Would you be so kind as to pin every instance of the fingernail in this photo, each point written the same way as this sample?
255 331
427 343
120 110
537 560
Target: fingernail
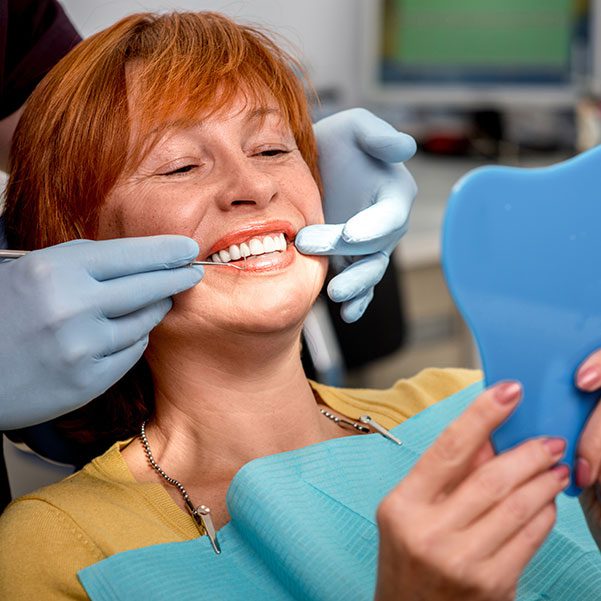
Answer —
583 473
507 392
562 472
555 446
589 378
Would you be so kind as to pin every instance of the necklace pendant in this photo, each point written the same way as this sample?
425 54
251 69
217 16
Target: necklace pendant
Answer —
202 516
366 419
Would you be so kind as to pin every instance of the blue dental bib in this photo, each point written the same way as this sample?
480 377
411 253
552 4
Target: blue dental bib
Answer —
521 251
303 529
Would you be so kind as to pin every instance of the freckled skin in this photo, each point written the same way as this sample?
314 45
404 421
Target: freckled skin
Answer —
208 180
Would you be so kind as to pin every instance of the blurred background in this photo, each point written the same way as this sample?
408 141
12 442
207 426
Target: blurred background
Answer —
476 82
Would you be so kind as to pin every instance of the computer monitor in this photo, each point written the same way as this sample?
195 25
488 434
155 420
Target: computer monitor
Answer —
481 53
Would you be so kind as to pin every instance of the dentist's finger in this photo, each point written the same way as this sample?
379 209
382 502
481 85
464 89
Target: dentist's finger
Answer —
358 278
387 215
127 294
328 239
108 259
380 140
113 367
319 239
123 332
353 310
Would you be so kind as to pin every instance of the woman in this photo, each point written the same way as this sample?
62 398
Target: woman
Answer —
137 115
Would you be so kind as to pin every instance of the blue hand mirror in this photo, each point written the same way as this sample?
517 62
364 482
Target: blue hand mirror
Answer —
520 254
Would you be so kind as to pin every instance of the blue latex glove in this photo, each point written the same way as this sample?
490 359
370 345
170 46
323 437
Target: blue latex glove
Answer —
75 318
367 198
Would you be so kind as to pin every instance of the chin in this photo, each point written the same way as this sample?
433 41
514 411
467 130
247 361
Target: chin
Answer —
253 305
279 305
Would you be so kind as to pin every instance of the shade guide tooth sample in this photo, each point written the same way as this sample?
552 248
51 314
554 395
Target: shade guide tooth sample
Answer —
522 261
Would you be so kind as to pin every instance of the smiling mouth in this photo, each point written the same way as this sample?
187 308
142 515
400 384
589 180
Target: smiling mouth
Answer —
275 242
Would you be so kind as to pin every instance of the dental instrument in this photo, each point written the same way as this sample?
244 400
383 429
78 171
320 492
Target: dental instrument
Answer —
16 254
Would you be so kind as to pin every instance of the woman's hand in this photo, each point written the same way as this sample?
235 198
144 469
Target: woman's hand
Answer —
464 523
588 463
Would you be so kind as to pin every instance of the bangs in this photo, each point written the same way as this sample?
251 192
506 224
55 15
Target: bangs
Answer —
188 66
108 101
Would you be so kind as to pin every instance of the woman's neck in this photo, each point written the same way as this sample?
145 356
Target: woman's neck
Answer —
218 409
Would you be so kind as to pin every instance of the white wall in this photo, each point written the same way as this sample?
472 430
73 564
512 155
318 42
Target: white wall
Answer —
325 31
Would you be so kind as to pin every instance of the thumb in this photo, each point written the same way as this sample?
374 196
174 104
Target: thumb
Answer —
380 140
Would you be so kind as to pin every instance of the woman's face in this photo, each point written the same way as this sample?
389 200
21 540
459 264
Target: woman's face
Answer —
230 181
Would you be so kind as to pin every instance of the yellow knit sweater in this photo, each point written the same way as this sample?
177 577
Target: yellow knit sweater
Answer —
47 536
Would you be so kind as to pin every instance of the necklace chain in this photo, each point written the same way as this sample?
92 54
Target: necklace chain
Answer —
180 487
202 514
159 470
345 422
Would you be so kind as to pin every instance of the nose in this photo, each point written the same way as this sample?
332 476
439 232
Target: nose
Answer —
246 182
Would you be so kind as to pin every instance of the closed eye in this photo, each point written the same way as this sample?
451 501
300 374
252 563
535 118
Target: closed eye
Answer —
183 169
272 152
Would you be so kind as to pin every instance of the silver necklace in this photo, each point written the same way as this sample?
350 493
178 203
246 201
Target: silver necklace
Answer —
363 426
202 514
345 423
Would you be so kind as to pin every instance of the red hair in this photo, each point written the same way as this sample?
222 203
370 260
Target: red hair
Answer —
75 140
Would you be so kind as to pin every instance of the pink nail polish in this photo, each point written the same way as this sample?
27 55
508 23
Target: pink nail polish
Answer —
555 446
583 473
507 392
562 472
589 378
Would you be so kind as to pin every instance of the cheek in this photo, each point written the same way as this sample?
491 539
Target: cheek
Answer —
304 195
130 213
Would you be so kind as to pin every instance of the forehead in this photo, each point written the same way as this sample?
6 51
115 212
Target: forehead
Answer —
152 112
151 115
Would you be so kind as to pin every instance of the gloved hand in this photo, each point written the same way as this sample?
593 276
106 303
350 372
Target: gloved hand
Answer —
74 318
367 198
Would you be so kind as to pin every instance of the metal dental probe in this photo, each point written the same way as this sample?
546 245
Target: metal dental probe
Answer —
16 254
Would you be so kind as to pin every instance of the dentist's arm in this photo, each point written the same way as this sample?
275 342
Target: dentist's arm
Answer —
75 318
368 194
7 129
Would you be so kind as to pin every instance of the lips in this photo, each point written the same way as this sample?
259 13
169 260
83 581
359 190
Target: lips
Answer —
249 232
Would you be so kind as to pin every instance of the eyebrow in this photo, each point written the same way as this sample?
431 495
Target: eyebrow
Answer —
261 112
257 114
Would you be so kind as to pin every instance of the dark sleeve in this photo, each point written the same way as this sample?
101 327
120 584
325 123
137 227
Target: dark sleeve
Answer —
4 488
34 36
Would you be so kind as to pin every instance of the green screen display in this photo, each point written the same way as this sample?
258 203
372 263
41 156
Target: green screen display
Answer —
480 33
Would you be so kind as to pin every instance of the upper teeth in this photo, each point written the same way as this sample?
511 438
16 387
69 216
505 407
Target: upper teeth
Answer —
254 246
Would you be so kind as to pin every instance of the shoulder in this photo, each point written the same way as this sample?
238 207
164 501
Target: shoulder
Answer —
43 549
436 383
405 398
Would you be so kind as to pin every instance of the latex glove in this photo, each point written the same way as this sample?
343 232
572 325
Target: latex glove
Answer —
75 318
368 194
